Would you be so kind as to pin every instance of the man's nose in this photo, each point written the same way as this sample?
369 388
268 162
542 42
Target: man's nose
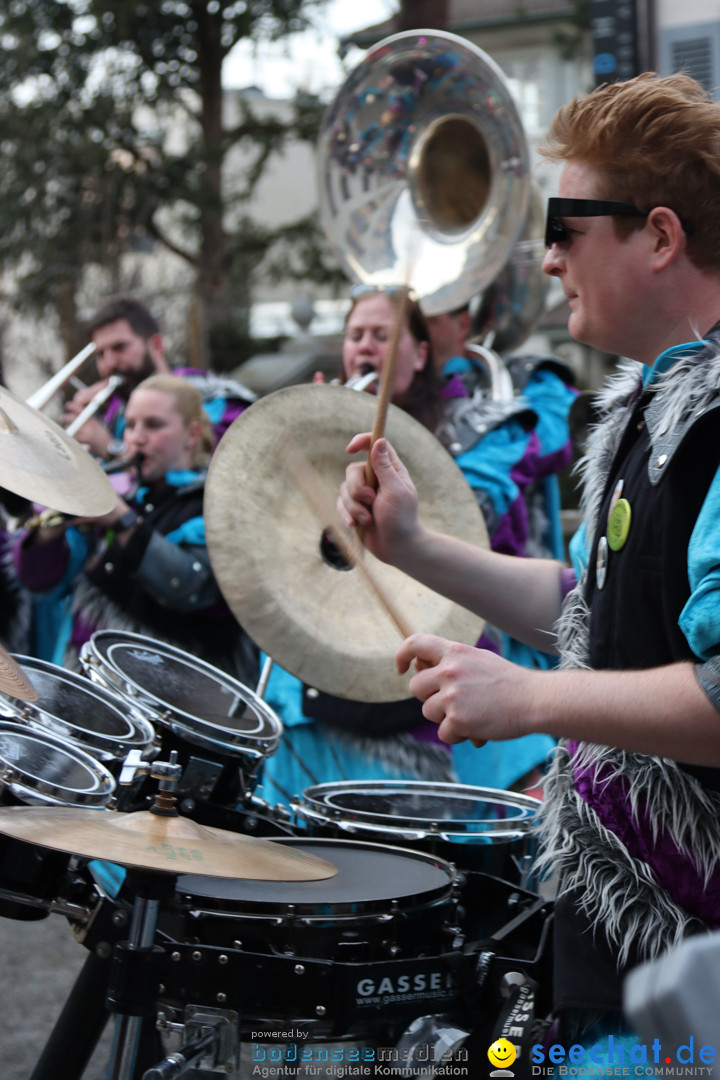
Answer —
552 261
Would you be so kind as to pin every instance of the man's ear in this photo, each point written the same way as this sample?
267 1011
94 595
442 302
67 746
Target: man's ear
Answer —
156 348
667 235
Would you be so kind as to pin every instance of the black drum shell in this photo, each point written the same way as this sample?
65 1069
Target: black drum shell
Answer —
193 706
384 903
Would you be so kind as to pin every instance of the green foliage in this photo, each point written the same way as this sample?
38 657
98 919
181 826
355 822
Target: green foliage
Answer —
113 134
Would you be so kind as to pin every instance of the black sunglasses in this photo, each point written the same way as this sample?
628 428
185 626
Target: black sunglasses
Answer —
555 230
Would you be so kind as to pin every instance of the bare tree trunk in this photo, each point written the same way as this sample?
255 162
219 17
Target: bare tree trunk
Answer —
416 14
211 288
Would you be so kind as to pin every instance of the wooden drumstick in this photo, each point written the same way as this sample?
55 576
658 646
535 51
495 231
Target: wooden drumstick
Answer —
387 378
320 500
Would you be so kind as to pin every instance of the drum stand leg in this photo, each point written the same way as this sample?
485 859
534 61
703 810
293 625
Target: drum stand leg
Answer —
78 1029
132 1003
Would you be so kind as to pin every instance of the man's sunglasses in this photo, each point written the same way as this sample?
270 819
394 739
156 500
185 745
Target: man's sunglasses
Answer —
557 233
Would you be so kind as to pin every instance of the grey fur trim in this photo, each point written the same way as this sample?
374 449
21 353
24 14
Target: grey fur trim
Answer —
620 895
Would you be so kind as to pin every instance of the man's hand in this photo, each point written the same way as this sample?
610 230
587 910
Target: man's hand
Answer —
387 516
471 693
93 434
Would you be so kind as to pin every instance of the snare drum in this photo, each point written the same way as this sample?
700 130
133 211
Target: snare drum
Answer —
36 768
77 711
476 828
221 730
278 949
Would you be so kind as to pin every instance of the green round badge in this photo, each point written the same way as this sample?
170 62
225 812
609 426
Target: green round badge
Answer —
619 524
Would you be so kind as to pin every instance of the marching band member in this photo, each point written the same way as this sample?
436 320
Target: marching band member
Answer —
144 567
631 803
329 738
128 342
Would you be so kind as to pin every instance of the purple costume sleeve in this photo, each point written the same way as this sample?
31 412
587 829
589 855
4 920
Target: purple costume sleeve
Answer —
41 566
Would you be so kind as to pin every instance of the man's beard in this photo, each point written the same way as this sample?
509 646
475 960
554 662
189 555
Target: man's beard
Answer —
132 379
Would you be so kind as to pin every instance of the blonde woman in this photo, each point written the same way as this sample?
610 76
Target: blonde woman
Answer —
144 567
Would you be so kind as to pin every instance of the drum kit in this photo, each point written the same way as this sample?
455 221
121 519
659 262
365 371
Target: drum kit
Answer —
231 926
346 915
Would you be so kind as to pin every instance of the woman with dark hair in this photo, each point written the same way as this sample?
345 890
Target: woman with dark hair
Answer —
328 738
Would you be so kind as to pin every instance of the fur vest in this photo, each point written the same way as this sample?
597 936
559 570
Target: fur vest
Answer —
621 893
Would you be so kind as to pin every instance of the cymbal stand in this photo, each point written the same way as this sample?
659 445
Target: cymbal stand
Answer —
132 991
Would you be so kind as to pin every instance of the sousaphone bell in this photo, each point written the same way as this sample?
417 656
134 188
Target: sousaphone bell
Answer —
423 169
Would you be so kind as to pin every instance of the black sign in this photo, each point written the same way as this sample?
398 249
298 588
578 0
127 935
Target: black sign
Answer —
613 24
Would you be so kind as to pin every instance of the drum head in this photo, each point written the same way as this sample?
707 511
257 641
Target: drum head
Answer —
193 698
71 706
37 767
415 809
370 878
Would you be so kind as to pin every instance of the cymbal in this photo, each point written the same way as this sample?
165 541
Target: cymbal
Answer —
44 465
323 624
147 841
13 679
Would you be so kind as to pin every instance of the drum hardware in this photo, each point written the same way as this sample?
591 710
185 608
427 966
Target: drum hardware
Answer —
286 594
207 1039
81 713
221 729
43 464
152 848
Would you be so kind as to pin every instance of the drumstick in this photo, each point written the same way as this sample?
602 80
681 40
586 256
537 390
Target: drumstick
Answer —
321 502
387 377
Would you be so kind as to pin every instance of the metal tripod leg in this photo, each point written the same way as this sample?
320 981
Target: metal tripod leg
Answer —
79 1026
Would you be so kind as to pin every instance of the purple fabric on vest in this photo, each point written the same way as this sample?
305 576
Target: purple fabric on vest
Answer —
675 871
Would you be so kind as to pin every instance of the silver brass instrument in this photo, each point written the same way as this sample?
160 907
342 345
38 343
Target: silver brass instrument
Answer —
46 393
66 374
98 399
423 176
513 303
423 169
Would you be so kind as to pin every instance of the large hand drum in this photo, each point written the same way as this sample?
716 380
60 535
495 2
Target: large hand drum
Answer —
319 621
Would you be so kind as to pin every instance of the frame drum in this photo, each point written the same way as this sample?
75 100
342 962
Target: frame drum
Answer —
219 728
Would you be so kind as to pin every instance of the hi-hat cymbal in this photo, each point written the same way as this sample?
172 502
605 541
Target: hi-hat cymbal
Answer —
173 845
13 679
323 624
44 465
